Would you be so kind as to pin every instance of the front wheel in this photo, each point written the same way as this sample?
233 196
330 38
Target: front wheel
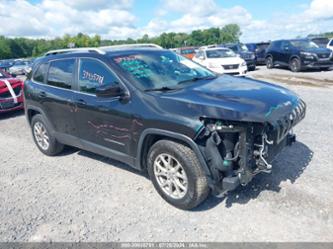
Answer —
295 65
177 174
269 62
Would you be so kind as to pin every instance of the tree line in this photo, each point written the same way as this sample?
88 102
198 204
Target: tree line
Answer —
25 47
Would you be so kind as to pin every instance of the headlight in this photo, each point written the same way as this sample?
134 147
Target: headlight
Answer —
253 56
243 64
308 55
213 65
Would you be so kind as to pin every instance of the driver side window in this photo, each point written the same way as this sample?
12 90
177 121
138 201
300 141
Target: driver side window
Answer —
93 74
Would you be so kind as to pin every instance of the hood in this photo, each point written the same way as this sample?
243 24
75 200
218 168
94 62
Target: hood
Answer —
318 50
226 60
233 98
247 55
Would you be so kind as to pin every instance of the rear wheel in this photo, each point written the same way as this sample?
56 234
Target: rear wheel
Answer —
177 174
44 140
269 62
295 65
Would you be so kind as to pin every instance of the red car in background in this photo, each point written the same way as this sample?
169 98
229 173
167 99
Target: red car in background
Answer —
11 93
187 52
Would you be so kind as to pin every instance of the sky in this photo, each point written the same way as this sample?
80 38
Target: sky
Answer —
259 20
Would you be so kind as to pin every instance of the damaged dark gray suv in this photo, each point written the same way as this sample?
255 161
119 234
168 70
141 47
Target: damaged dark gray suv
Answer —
194 132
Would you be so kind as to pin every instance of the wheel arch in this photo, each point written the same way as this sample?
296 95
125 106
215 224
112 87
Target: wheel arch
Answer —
152 135
31 111
267 56
295 57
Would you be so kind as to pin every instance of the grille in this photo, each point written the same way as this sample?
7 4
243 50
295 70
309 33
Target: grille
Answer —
286 123
17 91
323 56
234 66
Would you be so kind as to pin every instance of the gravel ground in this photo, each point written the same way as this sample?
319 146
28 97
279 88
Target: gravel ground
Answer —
79 196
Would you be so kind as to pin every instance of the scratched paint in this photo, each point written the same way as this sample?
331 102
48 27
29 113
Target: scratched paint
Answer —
105 130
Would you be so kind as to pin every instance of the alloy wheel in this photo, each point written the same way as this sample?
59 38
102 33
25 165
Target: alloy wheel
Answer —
170 176
41 136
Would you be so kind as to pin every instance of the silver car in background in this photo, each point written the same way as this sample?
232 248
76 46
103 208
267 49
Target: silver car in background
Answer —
20 67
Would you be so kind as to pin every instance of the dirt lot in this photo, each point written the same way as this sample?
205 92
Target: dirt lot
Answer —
79 196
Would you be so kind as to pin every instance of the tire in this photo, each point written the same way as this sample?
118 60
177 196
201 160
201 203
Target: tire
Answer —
196 185
252 68
54 147
295 65
269 62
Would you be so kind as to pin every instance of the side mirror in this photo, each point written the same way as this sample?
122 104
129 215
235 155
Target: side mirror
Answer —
109 91
14 75
286 48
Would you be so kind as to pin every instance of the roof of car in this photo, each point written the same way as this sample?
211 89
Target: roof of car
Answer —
212 47
298 39
88 52
102 50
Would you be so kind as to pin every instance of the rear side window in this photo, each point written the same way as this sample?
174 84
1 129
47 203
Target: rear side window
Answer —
275 45
39 75
61 73
92 74
331 43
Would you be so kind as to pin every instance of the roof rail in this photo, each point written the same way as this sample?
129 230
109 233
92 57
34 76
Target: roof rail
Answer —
209 46
68 50
134 45
100 50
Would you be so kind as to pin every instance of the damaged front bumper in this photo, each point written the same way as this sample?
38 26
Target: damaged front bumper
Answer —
237 151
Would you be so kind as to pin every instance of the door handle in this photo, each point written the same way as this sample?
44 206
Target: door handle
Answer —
81 102
42 94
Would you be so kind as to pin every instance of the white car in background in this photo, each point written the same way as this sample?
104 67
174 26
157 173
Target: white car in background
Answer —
221 60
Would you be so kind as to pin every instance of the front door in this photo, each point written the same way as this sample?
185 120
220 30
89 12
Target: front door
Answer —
101 121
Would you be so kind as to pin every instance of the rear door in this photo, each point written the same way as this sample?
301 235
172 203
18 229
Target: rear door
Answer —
274 50
56 96
285 51
102 121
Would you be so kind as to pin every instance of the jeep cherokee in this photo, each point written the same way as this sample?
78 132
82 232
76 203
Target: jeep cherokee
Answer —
194 132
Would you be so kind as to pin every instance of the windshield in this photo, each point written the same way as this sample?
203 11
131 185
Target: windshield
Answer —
187 51
321 42
244 47
220 53
159 69
303 44
20 63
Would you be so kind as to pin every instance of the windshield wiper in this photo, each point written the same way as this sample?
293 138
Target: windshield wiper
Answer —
196 79
160 89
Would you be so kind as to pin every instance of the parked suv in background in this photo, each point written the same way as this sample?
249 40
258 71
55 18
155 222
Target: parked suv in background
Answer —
193 131
259 49
243 51
298 54
220 60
